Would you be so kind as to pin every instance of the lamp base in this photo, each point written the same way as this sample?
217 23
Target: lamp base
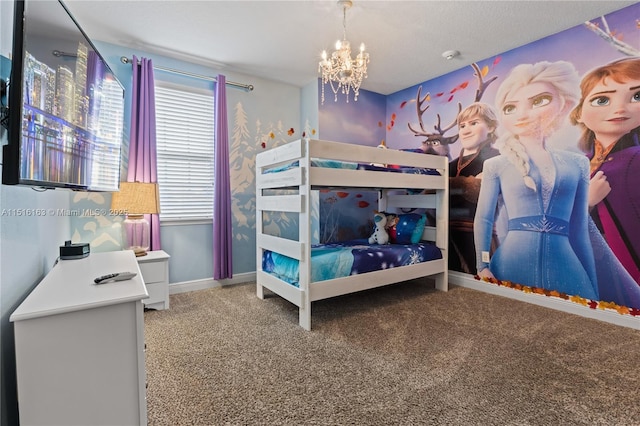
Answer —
139 251
135 234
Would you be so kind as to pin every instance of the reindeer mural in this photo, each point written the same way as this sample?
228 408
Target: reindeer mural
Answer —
436 142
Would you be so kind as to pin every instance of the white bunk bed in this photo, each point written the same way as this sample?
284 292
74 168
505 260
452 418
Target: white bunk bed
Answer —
302 178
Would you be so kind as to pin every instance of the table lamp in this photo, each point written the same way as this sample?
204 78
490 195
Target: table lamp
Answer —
136 199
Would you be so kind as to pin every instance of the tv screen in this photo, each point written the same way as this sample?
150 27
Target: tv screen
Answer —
66 107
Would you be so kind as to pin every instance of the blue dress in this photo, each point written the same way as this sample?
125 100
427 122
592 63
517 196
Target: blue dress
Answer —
547 244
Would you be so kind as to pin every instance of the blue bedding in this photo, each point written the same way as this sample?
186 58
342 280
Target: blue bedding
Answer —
337 260
335 164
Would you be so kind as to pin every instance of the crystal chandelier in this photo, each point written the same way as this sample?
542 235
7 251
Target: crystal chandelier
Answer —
343 73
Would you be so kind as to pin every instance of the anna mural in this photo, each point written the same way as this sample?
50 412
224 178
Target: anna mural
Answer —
609 115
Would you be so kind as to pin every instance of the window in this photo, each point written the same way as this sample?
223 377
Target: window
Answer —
184 137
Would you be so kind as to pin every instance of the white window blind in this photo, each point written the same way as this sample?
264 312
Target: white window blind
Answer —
184 138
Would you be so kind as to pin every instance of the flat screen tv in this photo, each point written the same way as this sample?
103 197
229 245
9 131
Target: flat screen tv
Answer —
66 107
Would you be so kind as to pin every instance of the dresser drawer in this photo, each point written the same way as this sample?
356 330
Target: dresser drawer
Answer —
153 272
157 293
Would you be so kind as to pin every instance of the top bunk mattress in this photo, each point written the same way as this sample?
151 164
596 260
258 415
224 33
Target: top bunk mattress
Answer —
348 165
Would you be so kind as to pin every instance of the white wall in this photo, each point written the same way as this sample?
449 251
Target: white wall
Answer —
28 247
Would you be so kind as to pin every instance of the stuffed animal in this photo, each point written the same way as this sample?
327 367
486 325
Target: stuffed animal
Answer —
392 221
382 145
380 235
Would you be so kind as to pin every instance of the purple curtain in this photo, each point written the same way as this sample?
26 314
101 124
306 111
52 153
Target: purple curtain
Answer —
222 237
142 138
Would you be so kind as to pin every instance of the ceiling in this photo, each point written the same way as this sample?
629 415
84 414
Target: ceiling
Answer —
282 40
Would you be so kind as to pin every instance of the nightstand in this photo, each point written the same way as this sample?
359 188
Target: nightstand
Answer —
155 273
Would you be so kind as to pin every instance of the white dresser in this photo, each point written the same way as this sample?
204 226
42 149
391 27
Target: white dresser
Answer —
80 346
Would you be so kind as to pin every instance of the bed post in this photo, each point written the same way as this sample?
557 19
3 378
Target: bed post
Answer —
259 230
304 223
304 313
442 230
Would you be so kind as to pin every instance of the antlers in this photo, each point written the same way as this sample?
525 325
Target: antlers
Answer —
420 111
482 86
436 142
433 140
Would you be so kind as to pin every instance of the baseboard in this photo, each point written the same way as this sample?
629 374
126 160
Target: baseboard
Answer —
461 280
185 286
468 281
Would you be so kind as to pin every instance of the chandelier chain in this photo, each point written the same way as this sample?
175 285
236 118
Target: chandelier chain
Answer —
344 22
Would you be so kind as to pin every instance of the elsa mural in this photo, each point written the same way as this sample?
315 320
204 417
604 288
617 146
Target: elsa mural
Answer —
545 191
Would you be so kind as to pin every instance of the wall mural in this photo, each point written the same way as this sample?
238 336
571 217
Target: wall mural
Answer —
543 143
347 215
242 155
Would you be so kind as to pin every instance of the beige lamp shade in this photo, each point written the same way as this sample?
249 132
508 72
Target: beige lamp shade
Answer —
136 198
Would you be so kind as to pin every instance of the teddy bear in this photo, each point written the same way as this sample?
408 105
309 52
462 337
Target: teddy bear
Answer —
380 235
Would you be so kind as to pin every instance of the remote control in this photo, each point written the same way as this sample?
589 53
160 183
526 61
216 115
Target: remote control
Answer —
118 276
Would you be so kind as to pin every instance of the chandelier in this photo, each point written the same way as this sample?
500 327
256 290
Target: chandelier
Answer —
340 71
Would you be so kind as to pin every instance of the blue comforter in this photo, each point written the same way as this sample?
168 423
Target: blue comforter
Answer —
335 164
330 261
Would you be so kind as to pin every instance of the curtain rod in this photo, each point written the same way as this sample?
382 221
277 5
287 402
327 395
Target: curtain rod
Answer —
246 87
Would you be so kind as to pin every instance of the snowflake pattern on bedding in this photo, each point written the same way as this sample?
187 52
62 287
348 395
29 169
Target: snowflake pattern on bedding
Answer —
330 261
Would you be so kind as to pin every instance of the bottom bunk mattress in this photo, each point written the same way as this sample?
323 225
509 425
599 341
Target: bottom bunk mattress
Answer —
337 260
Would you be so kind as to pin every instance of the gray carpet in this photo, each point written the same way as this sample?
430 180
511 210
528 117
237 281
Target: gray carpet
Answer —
398 355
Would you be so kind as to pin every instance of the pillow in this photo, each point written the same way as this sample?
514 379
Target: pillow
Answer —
405 228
